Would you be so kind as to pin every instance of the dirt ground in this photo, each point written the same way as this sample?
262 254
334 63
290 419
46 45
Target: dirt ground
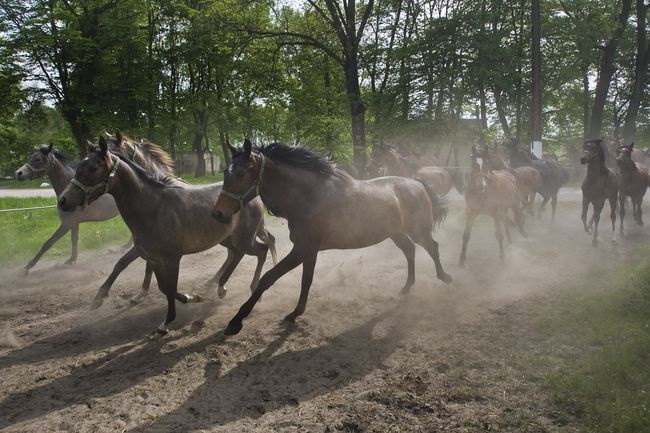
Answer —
463 357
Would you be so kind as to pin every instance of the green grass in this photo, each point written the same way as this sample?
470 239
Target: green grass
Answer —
608 387
18 184
217 177
23 233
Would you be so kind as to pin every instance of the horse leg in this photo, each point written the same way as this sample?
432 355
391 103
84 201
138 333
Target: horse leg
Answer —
260 250
553 206
222 290
308 265
621 203
293 259
598 207
269 240
613 201
639 212
167 276
144 289
585 209
469 223
405 244
431 246
121 264
542 206
58 234
74 239
499 235
519 220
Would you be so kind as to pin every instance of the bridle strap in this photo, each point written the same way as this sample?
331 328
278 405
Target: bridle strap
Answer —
89 189
254 187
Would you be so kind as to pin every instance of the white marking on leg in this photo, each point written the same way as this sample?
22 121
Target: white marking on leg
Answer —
139 297
221 291
163 327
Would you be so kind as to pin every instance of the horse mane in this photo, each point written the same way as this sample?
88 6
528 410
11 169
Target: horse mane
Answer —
157 180
157 154
63 158
303 158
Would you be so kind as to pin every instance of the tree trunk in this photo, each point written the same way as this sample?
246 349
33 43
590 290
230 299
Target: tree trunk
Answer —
199 133
640 74
357 112
224 149
586 102
501 113
607 68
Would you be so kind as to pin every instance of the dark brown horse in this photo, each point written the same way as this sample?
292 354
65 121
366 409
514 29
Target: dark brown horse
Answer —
167 220
599 185
552 173
490 192
634 182
326 209
156 160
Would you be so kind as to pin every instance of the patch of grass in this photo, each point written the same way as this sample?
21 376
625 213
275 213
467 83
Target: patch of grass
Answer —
217 177
20 184
608 387
22 233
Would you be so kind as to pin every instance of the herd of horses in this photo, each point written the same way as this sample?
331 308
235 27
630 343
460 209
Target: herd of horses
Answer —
326 207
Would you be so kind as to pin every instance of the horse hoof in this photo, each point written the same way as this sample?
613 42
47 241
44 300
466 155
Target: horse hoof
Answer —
233 328
445 278
97 302
222 292
289 318
25 272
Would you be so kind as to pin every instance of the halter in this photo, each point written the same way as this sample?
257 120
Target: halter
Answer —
254 187
88 190
42 171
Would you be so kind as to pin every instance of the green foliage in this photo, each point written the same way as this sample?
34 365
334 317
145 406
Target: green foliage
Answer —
609 388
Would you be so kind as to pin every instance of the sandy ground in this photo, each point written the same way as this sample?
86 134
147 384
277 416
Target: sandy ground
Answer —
462 357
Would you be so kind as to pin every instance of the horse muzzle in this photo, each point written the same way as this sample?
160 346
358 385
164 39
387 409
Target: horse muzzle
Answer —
66 205
584 160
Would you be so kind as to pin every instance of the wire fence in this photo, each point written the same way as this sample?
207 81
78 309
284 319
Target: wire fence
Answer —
21 209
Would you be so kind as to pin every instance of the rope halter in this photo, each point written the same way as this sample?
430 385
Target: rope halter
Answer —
254 187
89 189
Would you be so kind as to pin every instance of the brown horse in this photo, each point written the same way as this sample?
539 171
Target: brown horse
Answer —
386 161
167 220
552 173
529 183
156 160
634 182
326 209
493 193
599 185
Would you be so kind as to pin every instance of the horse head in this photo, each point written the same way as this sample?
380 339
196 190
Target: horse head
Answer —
92 178
240 181
624 157
37 164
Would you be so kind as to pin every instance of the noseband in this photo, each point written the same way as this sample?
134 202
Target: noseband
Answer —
254 187
88 190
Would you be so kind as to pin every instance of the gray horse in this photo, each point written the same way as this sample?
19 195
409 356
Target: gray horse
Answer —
60 168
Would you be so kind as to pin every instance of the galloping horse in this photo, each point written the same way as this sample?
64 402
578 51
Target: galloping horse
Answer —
599 185
490 192
326 209
167 220
155 160
553 174
386 161
634 182
59 168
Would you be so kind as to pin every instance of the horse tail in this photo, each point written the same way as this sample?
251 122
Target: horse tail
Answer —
438 205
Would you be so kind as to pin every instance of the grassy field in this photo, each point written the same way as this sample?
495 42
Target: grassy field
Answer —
22 233
608 387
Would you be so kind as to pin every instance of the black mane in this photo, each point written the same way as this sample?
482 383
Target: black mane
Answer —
161 181
301 157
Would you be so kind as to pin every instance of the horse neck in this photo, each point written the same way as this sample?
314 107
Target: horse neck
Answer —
134 198
594 169
282 186
60 175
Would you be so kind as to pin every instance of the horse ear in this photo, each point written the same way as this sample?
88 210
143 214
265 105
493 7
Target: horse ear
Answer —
103 145
118 136
248 146
232 148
